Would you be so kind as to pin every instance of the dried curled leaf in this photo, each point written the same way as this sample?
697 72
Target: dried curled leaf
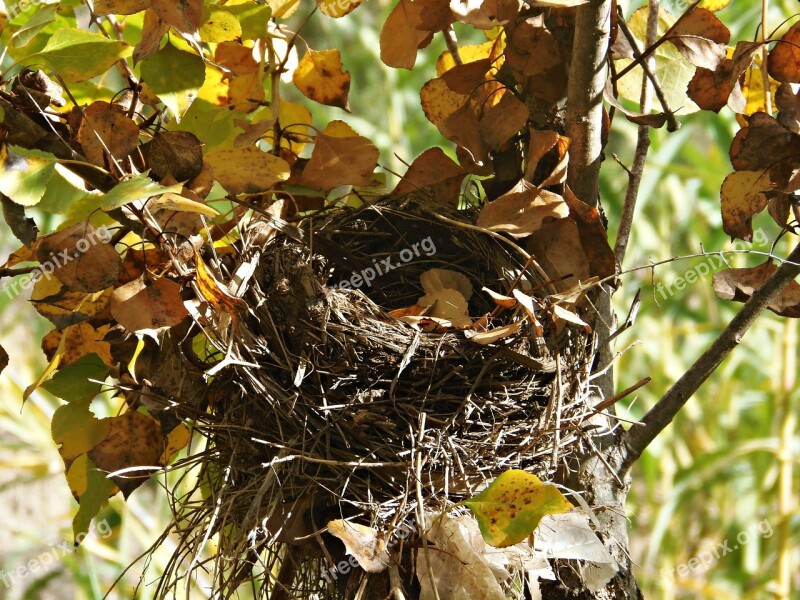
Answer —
522 210
366 544
740 284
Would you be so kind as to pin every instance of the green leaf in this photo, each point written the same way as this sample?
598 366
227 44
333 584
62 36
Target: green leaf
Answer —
72 382
92 488
175 76
221 26
24 174
76 430
31 27
510 509
136 188
252 17
79 55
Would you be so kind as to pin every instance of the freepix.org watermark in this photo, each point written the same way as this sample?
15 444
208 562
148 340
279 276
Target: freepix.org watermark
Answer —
42 562
711 264
101 235
380 267
703 561
14 7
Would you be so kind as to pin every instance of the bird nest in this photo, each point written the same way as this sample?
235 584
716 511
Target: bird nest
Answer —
330 407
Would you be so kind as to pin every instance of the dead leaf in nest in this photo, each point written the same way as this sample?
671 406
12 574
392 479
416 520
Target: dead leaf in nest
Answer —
522 210
558 249
784 59
147 306
106 129
501 300
178 154
740 284
319 76
447 304
364 543
403 34
494 335
133 440
435 171
743 195
214 292
561 316
503 121
80 257
340 157
435 280
408 311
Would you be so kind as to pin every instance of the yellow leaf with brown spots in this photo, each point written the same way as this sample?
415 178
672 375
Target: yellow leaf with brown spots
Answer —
247 170
148 306
743 196
79 340
509 510
319 76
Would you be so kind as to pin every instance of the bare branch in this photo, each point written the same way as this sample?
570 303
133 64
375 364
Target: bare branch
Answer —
662 414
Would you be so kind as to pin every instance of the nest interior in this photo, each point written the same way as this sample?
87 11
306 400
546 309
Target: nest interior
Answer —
339 410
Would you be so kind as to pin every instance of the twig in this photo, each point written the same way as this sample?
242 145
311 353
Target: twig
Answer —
642 143
765 58
452 44
619 396
638 438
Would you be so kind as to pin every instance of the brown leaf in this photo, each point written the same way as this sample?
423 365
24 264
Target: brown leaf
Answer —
522 210
247 170
503 121
558 249
742 196
701 38
594 239
178 154
106 128
134 439
153 31
437 172
215 292
401 35
711 90
493 335
787 101
119 7
319 77
80 257
64 308
137 262
184 15
740 284
540 142
531 49
779 208
148 306
463 128
784 59
366 544
236 57
463 79
763 144
3 359
340 157
435 15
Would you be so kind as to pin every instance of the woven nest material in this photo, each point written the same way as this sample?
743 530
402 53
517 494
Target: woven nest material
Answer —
334 409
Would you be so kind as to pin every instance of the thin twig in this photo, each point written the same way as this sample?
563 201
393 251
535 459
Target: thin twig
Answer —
638 438
452 44
619 396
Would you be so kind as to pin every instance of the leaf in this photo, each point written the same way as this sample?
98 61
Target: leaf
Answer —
92 488
364 543
24 174
119 7
742 196
215 292
253 18
435 280
594 239
80 257
3 359
402 35
558 250
701 38
71 383
183 15
153 31
337 8
221 26
175 76
561 316
178 154
105 128
76 430
740 284
465 78
531 50
510 509
247 170
765 132
23 227
146 306
319 77
439 101
712 90
78 341
340 157
138 187
503 121
78 55
493 335
283 9
784 59
175 203
522 210
134 439
435 171
447 304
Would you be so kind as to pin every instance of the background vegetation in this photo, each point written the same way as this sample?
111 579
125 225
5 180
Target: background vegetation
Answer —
710 476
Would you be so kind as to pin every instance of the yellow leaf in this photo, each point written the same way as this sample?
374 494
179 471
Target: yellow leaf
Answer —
510 509
247 170
178 203
319 76
714 5
742 197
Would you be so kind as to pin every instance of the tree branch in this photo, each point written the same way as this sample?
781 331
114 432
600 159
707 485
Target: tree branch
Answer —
638 438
